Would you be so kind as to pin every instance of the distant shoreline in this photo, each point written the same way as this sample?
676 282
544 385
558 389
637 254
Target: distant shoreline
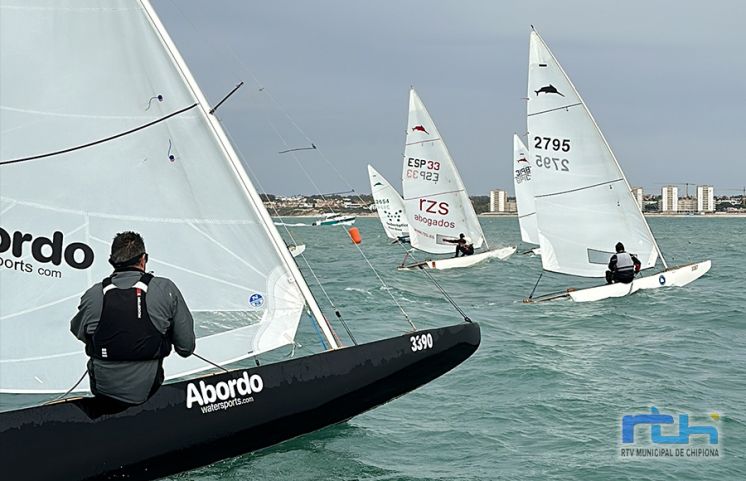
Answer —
719 215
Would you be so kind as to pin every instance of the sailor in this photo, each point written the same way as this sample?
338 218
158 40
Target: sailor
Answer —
129 322
463 245
622 266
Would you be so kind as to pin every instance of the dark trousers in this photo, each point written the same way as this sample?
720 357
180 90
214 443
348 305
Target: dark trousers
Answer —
464 250
616 276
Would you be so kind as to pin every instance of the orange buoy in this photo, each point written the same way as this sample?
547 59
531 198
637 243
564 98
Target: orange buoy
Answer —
355 235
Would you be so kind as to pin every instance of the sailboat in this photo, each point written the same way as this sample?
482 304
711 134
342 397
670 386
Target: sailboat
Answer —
584 204
104 129
524 195
437 205
390 207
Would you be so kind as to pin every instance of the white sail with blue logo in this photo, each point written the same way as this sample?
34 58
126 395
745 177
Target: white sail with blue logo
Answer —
584 204
104 130
524 195
389 205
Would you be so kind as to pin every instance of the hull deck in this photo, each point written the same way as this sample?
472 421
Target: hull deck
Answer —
173 431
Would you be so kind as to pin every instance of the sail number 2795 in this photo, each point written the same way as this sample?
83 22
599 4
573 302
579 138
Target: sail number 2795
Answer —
421 342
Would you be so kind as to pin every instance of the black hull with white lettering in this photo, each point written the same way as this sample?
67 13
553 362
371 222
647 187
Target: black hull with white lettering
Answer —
229 414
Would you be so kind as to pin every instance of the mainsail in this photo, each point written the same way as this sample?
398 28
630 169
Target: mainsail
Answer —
167 171
524 194
584 205
389 204
435 199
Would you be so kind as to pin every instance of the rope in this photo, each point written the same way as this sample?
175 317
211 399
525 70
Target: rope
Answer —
101 141
68 391
209 362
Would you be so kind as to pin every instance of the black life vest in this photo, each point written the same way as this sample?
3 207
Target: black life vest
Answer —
125 331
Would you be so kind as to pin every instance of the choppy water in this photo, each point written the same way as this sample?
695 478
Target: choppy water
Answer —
543 397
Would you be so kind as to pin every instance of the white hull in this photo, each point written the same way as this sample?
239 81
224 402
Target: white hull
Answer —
464 261
297 250
674 277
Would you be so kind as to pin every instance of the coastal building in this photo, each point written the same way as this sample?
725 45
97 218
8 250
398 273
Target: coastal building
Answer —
669 199
637 194
498 200
705 198
687 204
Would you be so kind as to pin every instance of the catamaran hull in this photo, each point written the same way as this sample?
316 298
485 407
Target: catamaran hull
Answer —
73 440
463 261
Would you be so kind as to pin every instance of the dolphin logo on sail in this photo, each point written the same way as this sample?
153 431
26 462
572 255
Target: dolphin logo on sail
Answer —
420 128
377 184
522 159
549 89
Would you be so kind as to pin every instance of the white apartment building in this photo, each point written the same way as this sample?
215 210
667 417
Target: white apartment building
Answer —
669 199
705 198
498 200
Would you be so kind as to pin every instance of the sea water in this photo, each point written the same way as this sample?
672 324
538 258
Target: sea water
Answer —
545 396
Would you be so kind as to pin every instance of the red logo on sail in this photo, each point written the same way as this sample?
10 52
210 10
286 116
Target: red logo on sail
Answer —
420 128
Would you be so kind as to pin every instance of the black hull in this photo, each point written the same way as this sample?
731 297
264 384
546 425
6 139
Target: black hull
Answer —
75 440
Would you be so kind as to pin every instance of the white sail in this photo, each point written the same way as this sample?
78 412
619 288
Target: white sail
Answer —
584 205
75 73
524 194
435 199
389 204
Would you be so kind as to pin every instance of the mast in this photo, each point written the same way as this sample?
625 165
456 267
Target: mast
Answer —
595 124
251 193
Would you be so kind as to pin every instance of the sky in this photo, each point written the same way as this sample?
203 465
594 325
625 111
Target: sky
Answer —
665 80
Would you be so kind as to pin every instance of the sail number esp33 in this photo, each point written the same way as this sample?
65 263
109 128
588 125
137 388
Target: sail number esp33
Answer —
421 342
557 145
428 172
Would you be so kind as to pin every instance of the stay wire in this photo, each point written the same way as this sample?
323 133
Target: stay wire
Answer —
210 362
305 260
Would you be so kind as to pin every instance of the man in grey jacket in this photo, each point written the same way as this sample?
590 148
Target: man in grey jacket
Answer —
129 322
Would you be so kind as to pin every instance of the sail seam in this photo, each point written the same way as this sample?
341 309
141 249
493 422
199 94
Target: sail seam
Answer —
557 108
100 141
580 188
423 141
437 194
526 215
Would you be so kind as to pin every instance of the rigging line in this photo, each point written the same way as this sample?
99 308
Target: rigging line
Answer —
386 288
292 238
580 188
212 110
209 362
100 141
68 391
445 294
531 296
552 110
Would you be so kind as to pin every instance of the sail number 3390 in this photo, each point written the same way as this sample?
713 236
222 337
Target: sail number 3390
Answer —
421 342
